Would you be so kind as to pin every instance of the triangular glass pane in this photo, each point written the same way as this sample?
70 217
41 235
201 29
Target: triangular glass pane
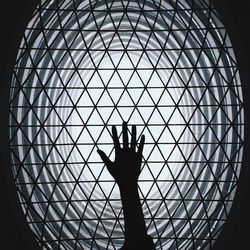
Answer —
213 98
108 212
48 137
116 44
144 74
87 175
125 76
148 135
144 35
155 168
115 118
166 113
74 118
188 97
146 175
95 119
134 43
115 81
125 36
145 112
166 137
146 100
78 38
115 58
105 62
105 100
176 155
220 117
85 112
166 99
97 192
115 94
156 59
132 5
125 63
136 117
95 94
202 116
156 118
156 81
164 174
177 118
103 178
66 20
86 75
106 74
156 93
52 117
95 82
186 137
126 113
64 98
156 155
75 169
69 176
208 135
105 113
144 62
166 148
144 188
148 149
125 100
187 112
105 137
199 155
97 42
37 97
156 131
154 42
135 94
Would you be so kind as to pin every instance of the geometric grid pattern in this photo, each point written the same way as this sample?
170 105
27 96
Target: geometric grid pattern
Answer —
167 67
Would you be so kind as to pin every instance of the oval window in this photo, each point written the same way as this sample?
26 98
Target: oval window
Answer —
167 67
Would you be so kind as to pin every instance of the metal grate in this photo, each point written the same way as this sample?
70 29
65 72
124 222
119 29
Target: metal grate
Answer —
167 67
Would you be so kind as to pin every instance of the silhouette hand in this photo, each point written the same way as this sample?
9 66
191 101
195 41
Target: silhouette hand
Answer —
126 167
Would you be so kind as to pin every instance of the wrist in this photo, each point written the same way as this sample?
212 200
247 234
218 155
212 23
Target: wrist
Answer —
128 187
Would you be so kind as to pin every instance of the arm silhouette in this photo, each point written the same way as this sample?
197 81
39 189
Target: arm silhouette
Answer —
125 169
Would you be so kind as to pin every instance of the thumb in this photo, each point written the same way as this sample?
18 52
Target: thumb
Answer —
107 162
104 158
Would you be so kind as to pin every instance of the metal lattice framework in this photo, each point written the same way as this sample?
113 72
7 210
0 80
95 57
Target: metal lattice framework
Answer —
166 66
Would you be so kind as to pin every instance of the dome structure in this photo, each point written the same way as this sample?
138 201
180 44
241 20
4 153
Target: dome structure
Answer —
167 67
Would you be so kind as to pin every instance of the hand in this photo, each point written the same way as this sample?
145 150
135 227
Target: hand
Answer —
126 167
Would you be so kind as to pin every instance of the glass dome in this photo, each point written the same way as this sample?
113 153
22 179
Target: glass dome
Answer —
167 67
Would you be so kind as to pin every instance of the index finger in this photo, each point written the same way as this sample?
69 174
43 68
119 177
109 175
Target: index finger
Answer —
115 138
133 137
141 145
125 134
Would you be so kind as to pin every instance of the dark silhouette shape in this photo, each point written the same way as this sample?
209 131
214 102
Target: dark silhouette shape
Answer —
126 170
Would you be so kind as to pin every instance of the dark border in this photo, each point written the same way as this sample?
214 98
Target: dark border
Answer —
236 17
14 231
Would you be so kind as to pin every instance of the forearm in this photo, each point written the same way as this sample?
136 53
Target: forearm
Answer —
126 170
133 215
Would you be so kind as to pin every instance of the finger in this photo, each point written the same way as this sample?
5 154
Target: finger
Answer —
133 137
141 145
115 138
104 158
106 161
125 135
